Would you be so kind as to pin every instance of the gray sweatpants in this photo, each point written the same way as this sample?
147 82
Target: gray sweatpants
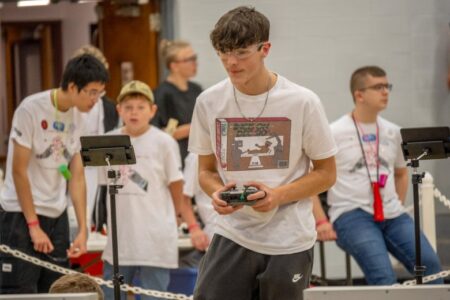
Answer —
230 271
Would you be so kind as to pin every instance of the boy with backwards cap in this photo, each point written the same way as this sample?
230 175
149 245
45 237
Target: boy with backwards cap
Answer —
150 198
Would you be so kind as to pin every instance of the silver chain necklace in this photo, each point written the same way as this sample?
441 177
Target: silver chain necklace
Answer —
264 107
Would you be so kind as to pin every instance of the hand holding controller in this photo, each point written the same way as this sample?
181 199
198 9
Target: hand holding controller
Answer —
238 196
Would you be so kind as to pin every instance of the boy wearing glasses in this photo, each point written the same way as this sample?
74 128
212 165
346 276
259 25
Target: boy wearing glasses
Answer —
257 128
176 95
43 155
366 203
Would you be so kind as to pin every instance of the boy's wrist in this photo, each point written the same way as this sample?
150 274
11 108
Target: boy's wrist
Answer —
193 227
321 222
83 230
33 223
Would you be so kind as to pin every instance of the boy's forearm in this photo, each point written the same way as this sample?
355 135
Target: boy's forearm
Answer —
210 181
187 212
318 212
24 195
320 179
182 204
304 187
401 183
77 190
182 132
21 156
208 176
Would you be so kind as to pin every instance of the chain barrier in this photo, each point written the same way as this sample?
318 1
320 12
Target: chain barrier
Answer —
426 279
100 281
159 294
437 194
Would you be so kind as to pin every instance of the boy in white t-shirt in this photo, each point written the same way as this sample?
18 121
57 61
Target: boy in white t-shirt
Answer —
366 203
259 129
192 189
43 154
103 117
151 196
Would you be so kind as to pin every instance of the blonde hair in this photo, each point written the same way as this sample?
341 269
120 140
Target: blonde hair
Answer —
93 51
169 50
76 283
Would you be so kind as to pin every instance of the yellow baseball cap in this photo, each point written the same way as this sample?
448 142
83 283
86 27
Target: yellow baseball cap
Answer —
136 87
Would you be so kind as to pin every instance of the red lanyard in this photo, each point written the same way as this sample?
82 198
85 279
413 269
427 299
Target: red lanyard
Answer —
377 150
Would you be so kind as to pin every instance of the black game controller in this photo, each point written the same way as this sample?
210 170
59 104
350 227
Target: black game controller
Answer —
238 196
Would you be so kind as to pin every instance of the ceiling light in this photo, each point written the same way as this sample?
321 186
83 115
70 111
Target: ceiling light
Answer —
33 3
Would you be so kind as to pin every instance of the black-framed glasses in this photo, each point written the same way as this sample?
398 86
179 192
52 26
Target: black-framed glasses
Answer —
378 87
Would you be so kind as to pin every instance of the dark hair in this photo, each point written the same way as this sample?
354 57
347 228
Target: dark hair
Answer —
76 283
82 70
239 28
357 80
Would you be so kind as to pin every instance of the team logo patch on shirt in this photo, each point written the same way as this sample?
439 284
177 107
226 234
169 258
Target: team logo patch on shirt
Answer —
58 126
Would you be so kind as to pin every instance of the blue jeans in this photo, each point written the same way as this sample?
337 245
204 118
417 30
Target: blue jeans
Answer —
153 278
369 243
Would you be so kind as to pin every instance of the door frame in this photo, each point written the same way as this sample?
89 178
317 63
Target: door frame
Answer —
48 33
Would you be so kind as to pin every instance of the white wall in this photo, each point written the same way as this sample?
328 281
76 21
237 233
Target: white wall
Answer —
319 44
76 19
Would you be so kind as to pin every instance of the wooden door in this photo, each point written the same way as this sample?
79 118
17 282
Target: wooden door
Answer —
128 36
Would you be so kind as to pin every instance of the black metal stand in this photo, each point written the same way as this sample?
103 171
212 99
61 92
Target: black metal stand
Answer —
110 150
419 269
422 143
113 190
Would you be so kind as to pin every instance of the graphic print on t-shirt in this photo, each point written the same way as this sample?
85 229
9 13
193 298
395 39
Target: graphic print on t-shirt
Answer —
261 144
56 141
369 142
57 149
127 175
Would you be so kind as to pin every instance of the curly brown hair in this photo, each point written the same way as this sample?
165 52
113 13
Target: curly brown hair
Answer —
240 28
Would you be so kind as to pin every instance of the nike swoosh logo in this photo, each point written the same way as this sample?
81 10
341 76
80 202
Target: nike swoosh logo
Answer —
297 277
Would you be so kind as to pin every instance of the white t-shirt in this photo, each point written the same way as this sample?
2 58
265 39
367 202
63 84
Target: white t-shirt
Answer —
94 126
53 138
353 188
146 223
192 188
275 149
